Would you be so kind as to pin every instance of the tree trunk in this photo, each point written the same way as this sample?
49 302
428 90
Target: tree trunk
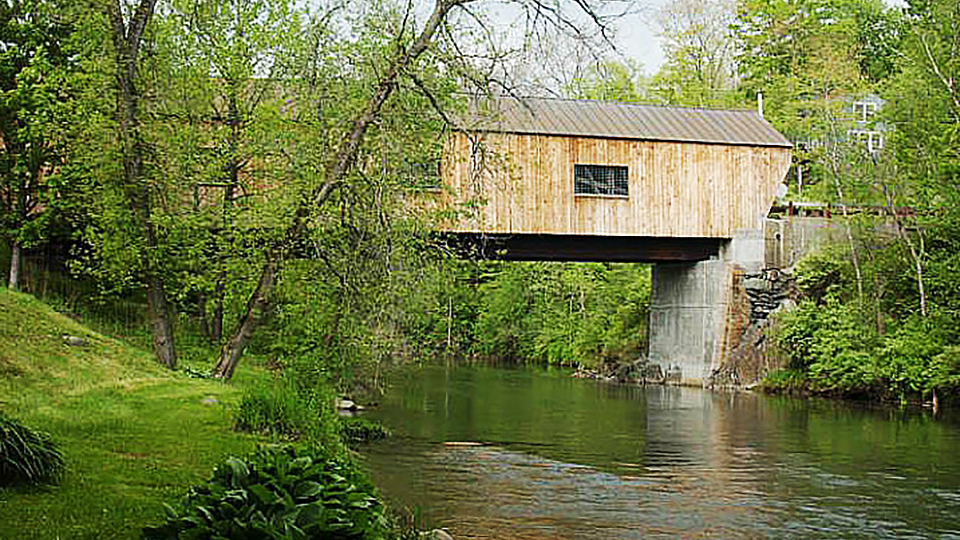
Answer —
204 320
127 40
14 281
160 323
916 255
854 256
257 305
216 324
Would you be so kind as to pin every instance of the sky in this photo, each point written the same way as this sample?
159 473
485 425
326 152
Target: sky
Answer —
638 36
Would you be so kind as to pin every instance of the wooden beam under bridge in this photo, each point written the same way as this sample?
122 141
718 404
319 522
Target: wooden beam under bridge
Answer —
574 247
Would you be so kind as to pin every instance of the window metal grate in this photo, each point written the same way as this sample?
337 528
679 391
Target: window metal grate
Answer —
422 175
600 180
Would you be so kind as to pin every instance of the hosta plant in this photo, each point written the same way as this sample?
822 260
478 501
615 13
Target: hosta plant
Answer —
285 493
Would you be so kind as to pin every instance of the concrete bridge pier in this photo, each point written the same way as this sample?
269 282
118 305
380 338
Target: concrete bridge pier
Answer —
696 308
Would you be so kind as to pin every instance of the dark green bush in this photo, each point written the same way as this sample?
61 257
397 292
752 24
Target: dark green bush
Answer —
278 493
357 430
27 457
822 274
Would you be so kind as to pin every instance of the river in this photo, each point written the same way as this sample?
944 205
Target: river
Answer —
534 454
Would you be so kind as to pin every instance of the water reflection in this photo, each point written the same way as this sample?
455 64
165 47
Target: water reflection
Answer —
566 458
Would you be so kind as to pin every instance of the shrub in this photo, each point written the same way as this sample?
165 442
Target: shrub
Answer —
794 334
945 371
822 275
278 493
786 381
287 407
27 457
355 430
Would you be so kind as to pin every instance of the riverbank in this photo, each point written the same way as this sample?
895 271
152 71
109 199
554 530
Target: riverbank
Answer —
134 436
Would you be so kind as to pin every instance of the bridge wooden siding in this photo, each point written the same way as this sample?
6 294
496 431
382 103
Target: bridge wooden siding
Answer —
524 182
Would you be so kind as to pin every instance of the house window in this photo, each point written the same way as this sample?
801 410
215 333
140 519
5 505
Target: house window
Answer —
863 111
600 180
872 140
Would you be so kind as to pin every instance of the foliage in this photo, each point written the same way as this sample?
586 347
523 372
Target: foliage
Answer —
699 48
833 347
573 313
279 493
822 275
610 80
945 370
287 406
356 430
36 63
27 456
785 381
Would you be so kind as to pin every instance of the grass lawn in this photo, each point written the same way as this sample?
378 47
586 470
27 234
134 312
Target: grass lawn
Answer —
133 434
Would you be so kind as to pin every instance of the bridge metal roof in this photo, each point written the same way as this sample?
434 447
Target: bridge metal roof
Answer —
617 120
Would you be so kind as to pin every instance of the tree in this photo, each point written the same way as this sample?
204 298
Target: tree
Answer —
925 109
611 80
34 65
127 29
699 49
222 122
405 56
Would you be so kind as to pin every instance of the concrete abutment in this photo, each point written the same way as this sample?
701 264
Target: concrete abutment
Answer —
707 316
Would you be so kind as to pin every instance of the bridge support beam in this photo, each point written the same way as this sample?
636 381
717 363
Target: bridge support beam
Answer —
694 309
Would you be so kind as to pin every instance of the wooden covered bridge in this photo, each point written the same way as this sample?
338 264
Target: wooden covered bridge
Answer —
548 179
688 189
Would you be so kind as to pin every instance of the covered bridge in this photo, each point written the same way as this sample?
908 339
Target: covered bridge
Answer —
556 179
688 189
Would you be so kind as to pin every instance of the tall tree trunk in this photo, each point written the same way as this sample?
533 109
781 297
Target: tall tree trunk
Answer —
14 281
216 323
204 319
160 322
127 40
258 304
334 173
854 255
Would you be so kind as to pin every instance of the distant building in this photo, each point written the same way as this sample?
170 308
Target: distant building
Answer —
862 113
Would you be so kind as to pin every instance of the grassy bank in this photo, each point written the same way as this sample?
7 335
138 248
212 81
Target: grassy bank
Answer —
133 434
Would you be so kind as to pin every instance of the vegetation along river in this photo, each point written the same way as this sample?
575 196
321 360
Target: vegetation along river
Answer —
568 458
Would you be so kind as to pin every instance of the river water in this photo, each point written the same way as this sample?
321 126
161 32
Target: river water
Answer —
535 454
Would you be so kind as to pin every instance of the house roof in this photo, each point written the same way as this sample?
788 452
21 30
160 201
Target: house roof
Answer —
616 120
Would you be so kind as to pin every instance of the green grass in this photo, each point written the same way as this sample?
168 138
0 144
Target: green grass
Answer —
133 434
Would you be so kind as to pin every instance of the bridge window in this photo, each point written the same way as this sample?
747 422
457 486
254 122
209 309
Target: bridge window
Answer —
600 180
421 175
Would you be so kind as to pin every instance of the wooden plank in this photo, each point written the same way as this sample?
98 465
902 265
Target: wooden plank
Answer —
675 189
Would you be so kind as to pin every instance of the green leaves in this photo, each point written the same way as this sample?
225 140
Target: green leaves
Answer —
278 493
26 456
562 313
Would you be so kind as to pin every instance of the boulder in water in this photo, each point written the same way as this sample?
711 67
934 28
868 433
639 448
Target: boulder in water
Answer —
436 534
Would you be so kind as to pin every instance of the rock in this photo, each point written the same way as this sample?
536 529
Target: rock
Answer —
74 341
344 404
436 534
209 400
